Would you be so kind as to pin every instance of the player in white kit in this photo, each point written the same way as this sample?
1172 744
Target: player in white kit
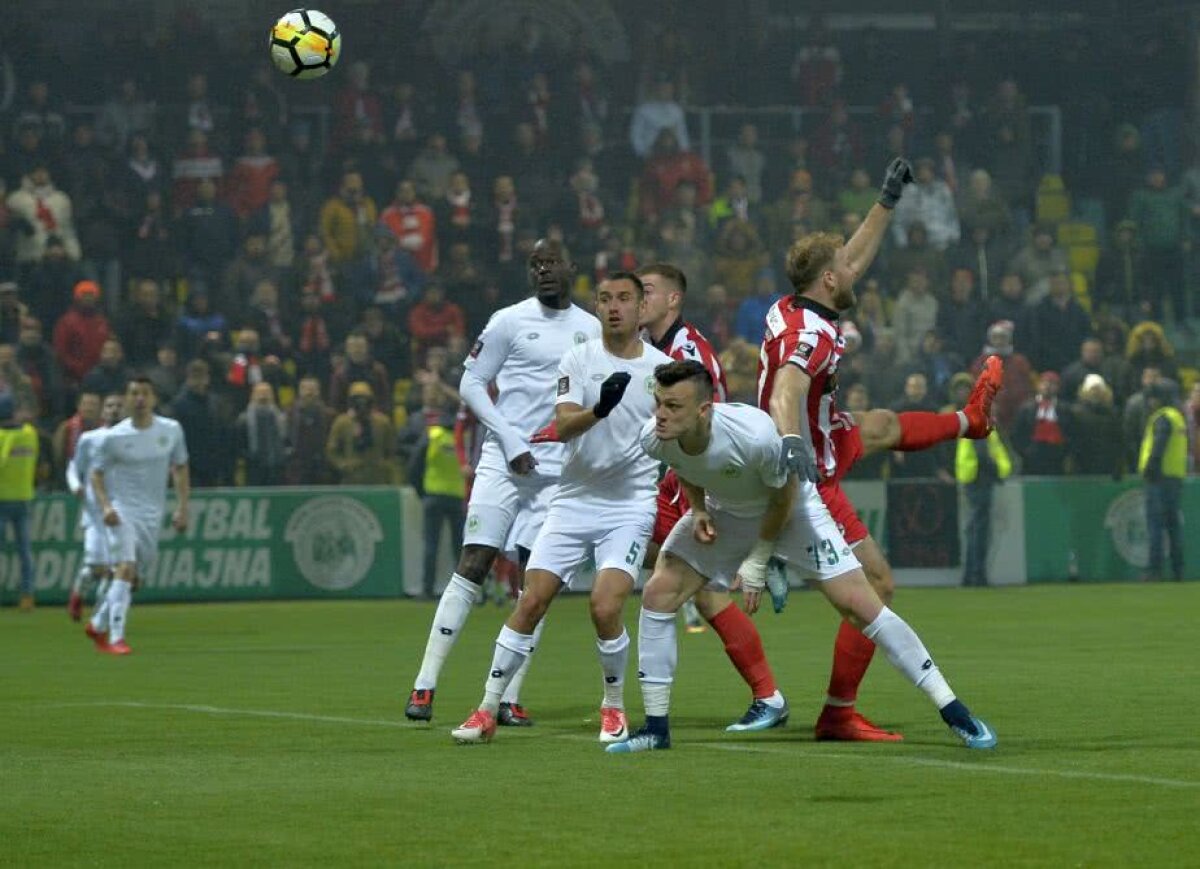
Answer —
735 469
519 351
604 506
97 565
129 477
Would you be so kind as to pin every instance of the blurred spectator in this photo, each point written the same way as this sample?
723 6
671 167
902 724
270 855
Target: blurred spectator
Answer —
361 443
29 153
1095 440
48 284
938 364
1192 411
668 166
983 206
252 175
1040 432
243 276
883 377
1162 462
36 359
17 384
348 233
1011 167
1135 413
532 168
686 211
962 321
1010 306
752 312
926 463
948 165
1157 210
413 224
1147 346
109 375
80 333
144 326
359 366
12 313
149 243
200 112
1037 261
431 170
164 373
198 325
389 344
433 320
281 224
434 472
196 165
208 238
929 201
739 360
837 147
1091 355
591 98
313 338
979 466
739 255
263 104
677 244
507 216
655 115
1124 172
399 278
270 320
356 105
199 413
308 425
40 112
817 67
261 430
748 162
1018 373
1059 324
41 211
406 120
985 256
917 254
869 467
1120 276
733 203
436 381
143 171
314 271
582 210
458 215
915 313
96 201
66 435
859 194
713 317
466 112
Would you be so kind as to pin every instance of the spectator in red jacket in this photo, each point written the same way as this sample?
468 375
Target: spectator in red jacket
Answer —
249 184
434 320
81 332
413 224
668 167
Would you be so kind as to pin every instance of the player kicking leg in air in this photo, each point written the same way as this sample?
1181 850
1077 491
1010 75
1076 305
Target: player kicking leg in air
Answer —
803 336
604 505
735 468
519 352
665 328
96 561
130 470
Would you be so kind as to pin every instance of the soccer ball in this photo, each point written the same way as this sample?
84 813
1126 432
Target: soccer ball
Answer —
305 43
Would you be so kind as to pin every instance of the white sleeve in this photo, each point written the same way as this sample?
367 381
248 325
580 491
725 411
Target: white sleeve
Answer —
768 447
479 370
179 453
571 376
74 484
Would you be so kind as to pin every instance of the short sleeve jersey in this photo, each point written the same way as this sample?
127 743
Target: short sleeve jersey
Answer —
137 462
739 469
606 464
806 334
83 463
519 351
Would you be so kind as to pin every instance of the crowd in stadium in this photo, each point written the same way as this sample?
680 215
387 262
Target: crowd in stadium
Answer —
308 290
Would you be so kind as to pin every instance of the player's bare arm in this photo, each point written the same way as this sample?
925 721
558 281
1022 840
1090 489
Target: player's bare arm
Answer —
109 512
789 397
862 247
182 479
704 529
753 572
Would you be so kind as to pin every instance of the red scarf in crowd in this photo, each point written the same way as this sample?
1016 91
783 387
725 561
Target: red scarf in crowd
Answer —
314 336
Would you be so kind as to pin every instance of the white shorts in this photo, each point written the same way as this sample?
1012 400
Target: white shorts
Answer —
573 532
95 546
134 541
505 510
810 542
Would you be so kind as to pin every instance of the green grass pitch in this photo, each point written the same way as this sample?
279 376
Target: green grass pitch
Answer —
273 735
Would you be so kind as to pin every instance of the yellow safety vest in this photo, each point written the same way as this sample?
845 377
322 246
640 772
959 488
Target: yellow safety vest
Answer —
442 474
18 462
966 463
1174 463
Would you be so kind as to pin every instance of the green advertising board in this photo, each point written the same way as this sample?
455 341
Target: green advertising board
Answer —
1095 529
240 544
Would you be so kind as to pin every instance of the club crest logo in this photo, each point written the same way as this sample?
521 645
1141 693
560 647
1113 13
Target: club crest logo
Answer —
472 523
1125 521
333 541
580 338
650 384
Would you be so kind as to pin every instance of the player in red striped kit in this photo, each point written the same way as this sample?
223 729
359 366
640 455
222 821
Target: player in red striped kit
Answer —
665 328
798 369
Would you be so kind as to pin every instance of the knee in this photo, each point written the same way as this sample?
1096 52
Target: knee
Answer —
532 606
880 430
474 562
606 610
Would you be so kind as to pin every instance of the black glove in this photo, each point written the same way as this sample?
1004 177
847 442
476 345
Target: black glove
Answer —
898 174
797 457
611 391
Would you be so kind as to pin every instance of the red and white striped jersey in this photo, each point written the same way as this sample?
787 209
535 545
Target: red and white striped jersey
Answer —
806 334
684 341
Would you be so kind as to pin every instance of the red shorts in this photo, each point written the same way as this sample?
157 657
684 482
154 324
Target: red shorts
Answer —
672 504
847 446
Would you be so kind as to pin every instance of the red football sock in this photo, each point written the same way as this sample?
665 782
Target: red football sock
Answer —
920 429
743 645
852 653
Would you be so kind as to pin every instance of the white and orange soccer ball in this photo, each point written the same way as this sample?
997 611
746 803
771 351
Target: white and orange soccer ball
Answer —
305 43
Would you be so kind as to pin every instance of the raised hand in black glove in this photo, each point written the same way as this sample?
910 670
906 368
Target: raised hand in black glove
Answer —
797 457
611 391
898 174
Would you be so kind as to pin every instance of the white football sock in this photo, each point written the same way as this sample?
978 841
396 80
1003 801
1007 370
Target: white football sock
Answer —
120 598
512 650
614 658
657 656
80 578
452 611
512 694
99 620
102 586
908 655
775 701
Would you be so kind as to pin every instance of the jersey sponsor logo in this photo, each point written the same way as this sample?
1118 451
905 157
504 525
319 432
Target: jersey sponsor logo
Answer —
805 351
333 541
476 349
564 385
580 338
597 377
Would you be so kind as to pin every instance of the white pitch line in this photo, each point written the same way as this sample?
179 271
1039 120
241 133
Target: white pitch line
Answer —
715 746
